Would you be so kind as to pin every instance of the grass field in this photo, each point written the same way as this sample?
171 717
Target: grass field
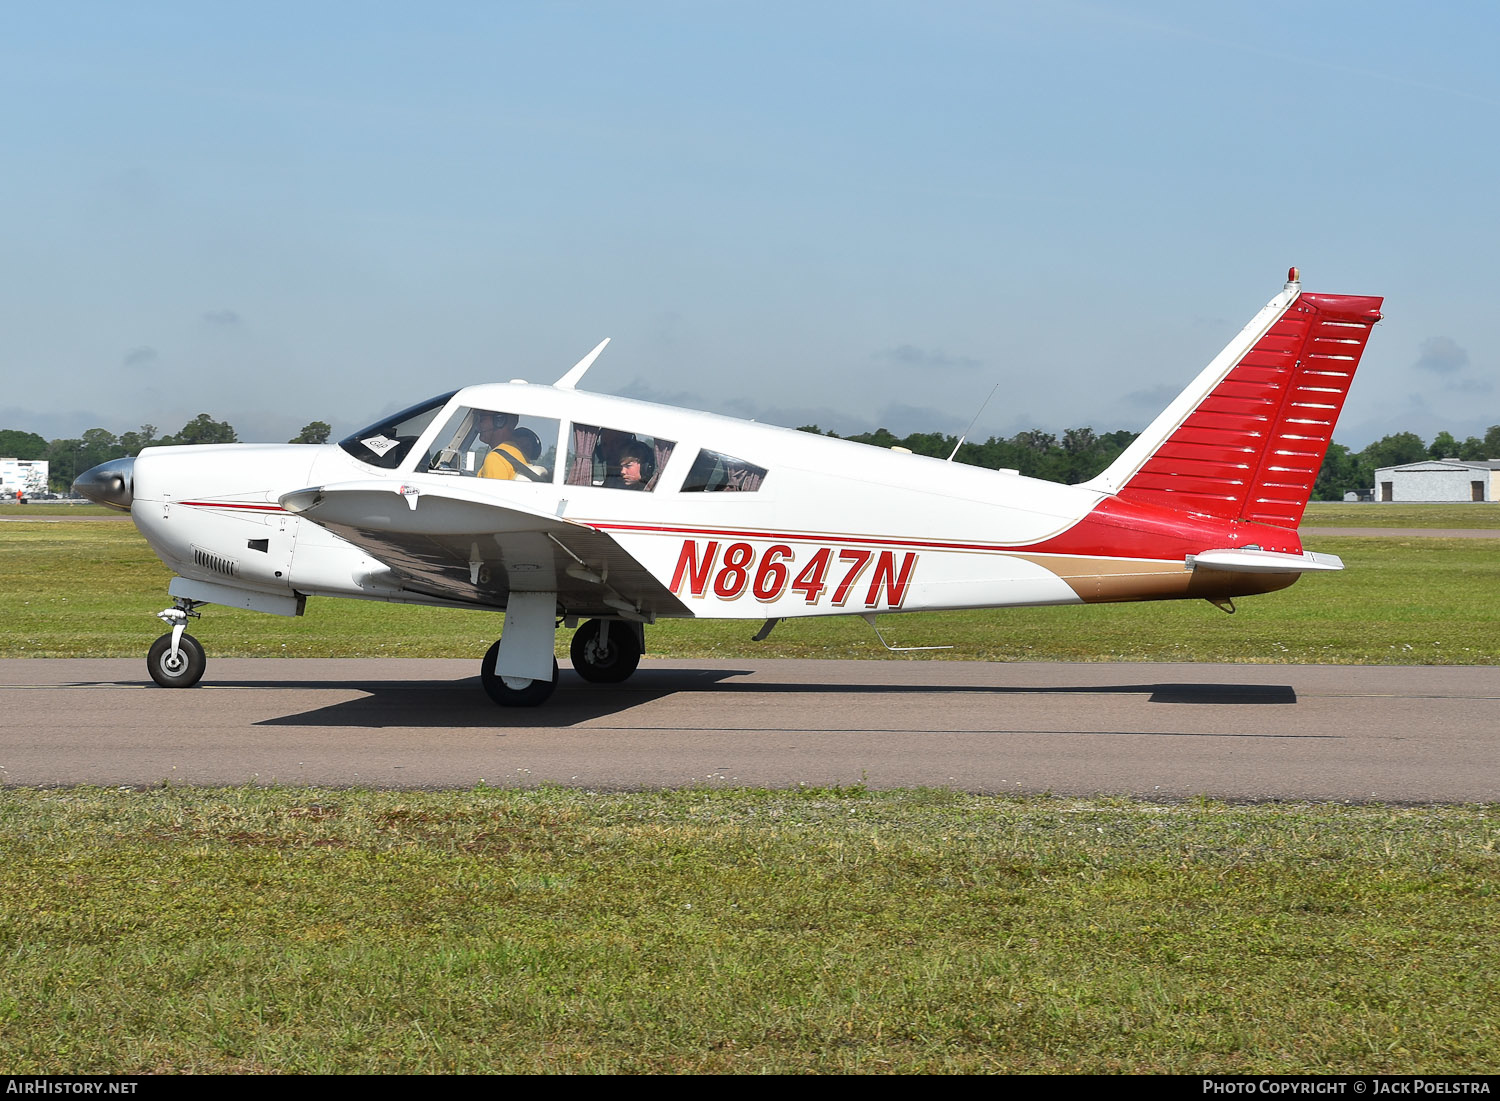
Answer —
91 590
56 510
740 931
843 930
1336 514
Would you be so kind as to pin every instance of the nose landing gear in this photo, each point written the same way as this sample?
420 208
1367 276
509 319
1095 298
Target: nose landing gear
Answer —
177 660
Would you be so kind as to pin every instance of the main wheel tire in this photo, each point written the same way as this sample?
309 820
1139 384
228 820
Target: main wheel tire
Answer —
185 670
514 691
608 664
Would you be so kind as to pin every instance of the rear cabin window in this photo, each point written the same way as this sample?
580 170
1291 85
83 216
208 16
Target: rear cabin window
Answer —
496 443
715 472
613 458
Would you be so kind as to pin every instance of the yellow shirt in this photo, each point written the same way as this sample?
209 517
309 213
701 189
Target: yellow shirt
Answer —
502 462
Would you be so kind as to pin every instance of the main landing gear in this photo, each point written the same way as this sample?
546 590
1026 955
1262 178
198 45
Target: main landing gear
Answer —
514 691
177 660
603 652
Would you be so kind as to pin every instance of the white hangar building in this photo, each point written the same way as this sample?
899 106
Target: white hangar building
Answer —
1439 480
28 476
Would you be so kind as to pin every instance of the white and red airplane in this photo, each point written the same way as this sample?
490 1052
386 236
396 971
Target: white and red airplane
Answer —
565 507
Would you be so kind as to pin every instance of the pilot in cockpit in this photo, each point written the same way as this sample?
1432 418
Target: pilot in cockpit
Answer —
509 446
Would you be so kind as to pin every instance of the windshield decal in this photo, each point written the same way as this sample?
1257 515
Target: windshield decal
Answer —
379 444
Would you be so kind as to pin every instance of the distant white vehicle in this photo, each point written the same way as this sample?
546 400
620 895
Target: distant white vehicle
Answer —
604 514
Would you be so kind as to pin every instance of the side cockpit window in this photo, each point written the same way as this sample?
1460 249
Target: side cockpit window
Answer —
714 472
615 459
386 443
496 443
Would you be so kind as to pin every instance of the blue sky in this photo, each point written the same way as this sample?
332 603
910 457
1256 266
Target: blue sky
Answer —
849 214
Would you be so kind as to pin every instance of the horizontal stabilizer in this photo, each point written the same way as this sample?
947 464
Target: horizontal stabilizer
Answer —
1259 561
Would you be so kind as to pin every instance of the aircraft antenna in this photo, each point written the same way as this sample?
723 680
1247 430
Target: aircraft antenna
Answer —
869 617
973 422
570 380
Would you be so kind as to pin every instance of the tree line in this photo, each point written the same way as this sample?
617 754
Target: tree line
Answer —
1077 455
69 458
1080 454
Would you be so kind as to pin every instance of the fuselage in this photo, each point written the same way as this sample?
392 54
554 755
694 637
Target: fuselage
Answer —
815 525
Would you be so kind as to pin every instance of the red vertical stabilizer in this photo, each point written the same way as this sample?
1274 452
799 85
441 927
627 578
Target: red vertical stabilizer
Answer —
1250 447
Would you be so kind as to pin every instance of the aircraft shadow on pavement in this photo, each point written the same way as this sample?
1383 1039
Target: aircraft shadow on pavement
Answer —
1159 693
462 703
448 704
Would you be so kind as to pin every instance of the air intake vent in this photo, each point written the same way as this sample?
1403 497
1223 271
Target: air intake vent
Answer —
216 562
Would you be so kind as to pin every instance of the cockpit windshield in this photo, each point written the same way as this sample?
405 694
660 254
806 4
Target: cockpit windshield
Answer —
386 443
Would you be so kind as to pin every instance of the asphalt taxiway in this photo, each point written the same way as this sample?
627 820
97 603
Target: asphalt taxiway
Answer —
1396 734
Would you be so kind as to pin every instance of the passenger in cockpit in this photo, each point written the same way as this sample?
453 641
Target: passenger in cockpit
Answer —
637 464
531 450
607 451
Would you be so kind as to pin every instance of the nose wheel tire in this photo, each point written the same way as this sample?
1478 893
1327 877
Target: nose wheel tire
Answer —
181 671
609 663
514 691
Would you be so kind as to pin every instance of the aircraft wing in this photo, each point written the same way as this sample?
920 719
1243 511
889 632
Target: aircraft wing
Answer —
460 545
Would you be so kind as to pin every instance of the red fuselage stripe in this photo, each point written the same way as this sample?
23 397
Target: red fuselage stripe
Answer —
824 538
231 504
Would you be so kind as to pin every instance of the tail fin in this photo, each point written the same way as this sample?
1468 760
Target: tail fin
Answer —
1246 439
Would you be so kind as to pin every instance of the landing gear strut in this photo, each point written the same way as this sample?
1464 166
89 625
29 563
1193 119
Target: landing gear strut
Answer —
519 670
605 652
515 670
177 660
